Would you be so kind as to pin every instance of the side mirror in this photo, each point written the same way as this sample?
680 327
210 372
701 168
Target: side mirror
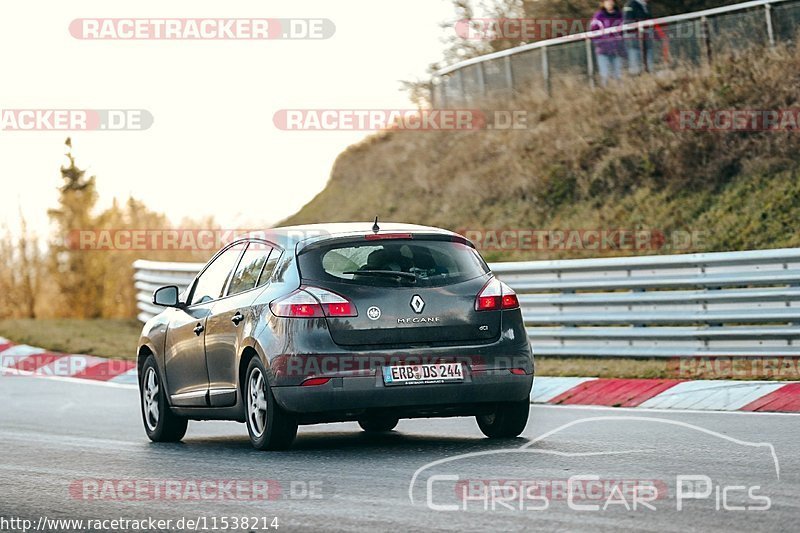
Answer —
167 296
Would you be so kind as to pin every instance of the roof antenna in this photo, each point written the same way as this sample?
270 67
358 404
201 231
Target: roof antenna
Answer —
375 227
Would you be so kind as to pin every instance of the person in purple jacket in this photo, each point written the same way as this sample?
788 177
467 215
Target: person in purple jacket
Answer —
608 47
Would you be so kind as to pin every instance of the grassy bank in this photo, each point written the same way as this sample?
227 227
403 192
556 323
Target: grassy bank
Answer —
102 337
600 159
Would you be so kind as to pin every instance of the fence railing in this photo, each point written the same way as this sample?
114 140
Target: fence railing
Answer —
150 275
545 66
728 303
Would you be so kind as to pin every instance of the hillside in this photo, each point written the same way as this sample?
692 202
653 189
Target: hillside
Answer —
601 159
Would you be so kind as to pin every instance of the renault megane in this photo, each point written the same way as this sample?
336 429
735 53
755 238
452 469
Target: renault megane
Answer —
337 322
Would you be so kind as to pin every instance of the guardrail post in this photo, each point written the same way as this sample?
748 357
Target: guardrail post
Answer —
642 47
706 38
589 62
770 31
461 90
442 93
546 71
642 58
509 74
481 79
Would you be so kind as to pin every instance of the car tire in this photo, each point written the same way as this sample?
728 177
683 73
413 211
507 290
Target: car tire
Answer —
508 420
160 423
269 426
378 425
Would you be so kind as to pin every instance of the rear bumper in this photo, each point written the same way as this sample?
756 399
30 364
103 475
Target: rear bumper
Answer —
348 398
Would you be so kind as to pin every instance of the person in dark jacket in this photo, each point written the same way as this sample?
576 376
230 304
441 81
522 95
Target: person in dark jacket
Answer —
636 11
608 46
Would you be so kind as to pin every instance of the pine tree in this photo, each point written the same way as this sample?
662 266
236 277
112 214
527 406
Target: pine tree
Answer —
77 274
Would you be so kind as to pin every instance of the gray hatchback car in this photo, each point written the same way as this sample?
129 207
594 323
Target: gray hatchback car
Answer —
337 322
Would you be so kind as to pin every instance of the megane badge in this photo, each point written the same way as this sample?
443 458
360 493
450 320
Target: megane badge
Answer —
417 303
374 313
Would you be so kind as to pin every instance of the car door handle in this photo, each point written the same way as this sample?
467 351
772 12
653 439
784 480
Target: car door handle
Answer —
198 329
238 317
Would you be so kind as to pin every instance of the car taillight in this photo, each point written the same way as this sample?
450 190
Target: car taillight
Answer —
332 304
298 304
510 300
496 295
313 302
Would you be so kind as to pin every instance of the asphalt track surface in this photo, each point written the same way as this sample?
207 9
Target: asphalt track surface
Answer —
54 435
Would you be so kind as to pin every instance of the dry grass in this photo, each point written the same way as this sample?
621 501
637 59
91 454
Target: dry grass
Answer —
602 368
595 160
101 337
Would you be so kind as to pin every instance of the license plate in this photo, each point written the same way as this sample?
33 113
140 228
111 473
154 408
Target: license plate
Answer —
422 374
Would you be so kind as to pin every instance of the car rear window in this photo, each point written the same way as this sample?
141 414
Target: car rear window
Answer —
425 263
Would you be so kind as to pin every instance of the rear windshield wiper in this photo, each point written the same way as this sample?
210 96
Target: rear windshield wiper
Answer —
387 273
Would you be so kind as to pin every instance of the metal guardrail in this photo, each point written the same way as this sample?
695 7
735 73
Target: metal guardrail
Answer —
691 38
728 303
150 275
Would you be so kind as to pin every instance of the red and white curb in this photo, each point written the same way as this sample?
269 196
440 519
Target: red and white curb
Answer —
711 395
24 360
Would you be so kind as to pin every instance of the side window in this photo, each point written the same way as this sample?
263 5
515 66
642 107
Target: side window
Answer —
213 280
269 266
249 268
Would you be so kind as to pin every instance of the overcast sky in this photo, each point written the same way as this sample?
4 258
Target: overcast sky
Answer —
213 148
